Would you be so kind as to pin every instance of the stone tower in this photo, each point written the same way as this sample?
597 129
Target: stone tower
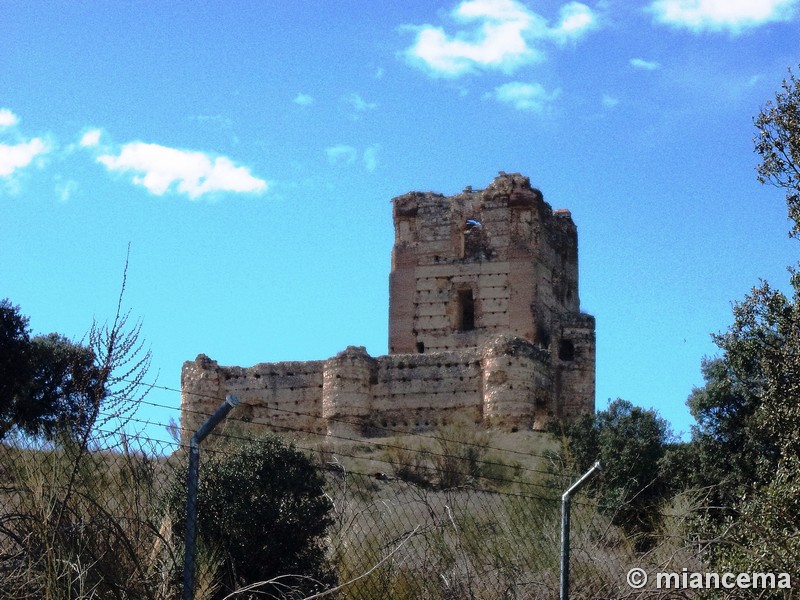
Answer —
479 264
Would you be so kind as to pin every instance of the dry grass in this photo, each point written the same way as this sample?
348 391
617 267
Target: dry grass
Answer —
103 535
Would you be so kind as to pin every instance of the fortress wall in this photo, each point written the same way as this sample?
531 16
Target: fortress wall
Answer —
415 391
484 325
506 383
576 377
518 390
201 393
269 393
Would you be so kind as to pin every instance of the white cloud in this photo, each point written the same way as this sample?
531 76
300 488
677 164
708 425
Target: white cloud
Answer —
722 15
370 158
341 153
7 118
90 139
525 96
303 100
20 155
645 65
576 20
498 35
158 167
609 101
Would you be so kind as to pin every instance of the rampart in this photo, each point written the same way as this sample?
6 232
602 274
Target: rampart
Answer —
506 383
484 326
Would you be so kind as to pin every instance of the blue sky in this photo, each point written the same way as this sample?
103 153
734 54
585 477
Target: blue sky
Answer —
248 152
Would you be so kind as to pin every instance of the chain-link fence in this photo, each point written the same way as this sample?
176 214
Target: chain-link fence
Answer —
94 522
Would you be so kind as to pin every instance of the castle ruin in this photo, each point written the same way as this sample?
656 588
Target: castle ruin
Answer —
484 326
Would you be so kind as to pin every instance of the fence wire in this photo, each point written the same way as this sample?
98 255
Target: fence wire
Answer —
79 522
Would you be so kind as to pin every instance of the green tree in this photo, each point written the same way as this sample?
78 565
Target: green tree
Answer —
631 443
746 445
14 360
262 505
747 439
47 382
778 143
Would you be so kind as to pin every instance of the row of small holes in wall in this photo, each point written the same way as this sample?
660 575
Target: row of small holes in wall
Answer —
430 349
444 315
291 388
296 402
273 404
447 365
276 374
436 329
460 378
451 276
488 312
416 424
433 393
483 287
446 291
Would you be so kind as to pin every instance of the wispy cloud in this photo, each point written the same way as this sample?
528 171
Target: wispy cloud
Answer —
733 16
525 96
359 104
370 158
159 168
65 188
303 100
609 101
645 65
341 153
7 118
499 35
90 139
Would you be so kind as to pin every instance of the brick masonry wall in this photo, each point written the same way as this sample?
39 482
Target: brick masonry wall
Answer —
484 326
506 384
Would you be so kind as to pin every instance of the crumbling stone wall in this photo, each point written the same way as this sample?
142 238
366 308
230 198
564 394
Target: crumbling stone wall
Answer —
505 383
287 395
484 326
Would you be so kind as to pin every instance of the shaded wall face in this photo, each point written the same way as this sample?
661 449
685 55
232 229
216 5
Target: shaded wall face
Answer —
575 367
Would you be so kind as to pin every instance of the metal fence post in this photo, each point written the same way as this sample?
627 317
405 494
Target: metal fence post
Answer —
191 492
565 505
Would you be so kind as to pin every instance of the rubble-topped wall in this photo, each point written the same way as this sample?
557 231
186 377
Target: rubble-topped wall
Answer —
505 383
288 395
484 326
469 266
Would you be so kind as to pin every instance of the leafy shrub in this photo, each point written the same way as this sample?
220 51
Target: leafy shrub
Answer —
262 505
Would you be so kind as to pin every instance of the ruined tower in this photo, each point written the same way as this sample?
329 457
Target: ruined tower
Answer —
484 326
468 267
